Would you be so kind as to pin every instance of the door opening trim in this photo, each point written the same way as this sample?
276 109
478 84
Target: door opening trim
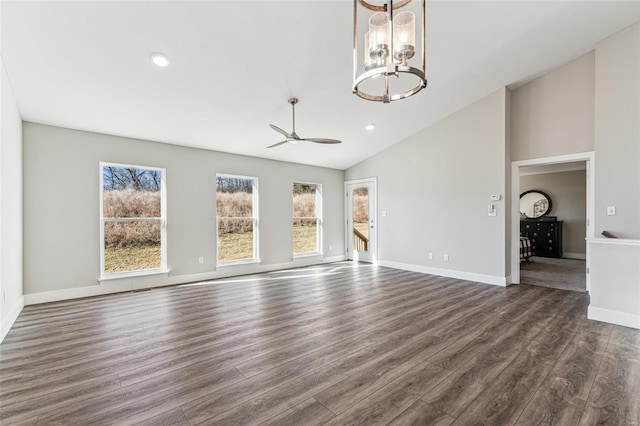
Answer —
373 181
589 158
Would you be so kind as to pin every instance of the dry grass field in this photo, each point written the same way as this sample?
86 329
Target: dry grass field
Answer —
132 258
235 246
239 245
304 239
135 245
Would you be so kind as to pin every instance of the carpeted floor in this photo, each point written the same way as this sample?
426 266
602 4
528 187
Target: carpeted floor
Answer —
563 274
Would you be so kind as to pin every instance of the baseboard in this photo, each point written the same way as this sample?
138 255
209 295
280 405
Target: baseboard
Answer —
469 276
614 317
11 318
146 282
578 256
334 259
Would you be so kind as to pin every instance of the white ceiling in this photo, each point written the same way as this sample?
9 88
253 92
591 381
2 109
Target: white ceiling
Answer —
85 65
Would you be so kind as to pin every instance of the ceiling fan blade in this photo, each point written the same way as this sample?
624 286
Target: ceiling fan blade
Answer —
293 136
279 130
277 144
321 140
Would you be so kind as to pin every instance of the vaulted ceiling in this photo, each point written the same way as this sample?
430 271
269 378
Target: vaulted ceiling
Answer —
234 64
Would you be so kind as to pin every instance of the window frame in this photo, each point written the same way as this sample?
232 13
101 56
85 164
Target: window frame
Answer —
318 218
104 276
254 217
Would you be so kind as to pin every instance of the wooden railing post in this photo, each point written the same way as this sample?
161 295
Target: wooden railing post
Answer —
360 241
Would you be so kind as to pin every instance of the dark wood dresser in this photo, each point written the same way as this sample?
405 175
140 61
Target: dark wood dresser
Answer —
545 236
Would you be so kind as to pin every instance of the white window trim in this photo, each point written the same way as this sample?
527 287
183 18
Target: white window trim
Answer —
163 226
254 217
318 218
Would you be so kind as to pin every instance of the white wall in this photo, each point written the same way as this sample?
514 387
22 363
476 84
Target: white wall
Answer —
436 187
553 114
593 104
615 281
61 191
617 133
615 270
11 300
507 179
568 192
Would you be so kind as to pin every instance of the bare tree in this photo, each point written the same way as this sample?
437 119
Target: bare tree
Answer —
230 184
122 178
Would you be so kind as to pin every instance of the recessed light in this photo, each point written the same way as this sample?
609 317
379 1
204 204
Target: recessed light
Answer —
160 59
370 126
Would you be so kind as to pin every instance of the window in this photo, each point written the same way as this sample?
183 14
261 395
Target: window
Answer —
132 219
236 206
307 221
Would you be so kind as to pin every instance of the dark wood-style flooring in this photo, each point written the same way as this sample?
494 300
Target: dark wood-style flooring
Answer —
334 344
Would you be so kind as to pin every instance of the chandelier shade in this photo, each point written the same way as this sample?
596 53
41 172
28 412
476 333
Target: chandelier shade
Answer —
384 37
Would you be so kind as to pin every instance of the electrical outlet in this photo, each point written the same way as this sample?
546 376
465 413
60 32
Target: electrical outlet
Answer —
430 256
446 257
201 260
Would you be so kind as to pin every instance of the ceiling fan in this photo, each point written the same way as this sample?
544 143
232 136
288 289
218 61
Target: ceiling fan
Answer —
293 136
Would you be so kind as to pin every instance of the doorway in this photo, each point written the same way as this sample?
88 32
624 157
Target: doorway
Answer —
361 220
562 264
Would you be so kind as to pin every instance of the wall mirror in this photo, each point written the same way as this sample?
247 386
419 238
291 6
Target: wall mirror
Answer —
534 204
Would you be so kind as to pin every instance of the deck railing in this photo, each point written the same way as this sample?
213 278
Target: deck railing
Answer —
360 241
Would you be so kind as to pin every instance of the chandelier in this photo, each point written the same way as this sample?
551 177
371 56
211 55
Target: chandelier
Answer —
392 66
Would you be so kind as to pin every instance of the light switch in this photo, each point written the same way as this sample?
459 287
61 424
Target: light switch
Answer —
384 213
611 210
492 210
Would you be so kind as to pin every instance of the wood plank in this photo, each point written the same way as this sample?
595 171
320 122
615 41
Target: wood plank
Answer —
485 360
308 413
503 400
173 417
28 404
136 402
561 397
421 413
454 394
614 398
144 400
625 337
369 342
273 402
392 399
429 342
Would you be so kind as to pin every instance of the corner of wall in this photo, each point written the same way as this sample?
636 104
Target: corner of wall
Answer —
10 318
507 184
11 206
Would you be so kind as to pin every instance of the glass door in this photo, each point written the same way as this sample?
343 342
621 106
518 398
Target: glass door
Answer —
361 220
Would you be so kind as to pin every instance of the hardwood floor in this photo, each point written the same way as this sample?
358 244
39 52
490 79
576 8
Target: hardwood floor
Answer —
334 344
